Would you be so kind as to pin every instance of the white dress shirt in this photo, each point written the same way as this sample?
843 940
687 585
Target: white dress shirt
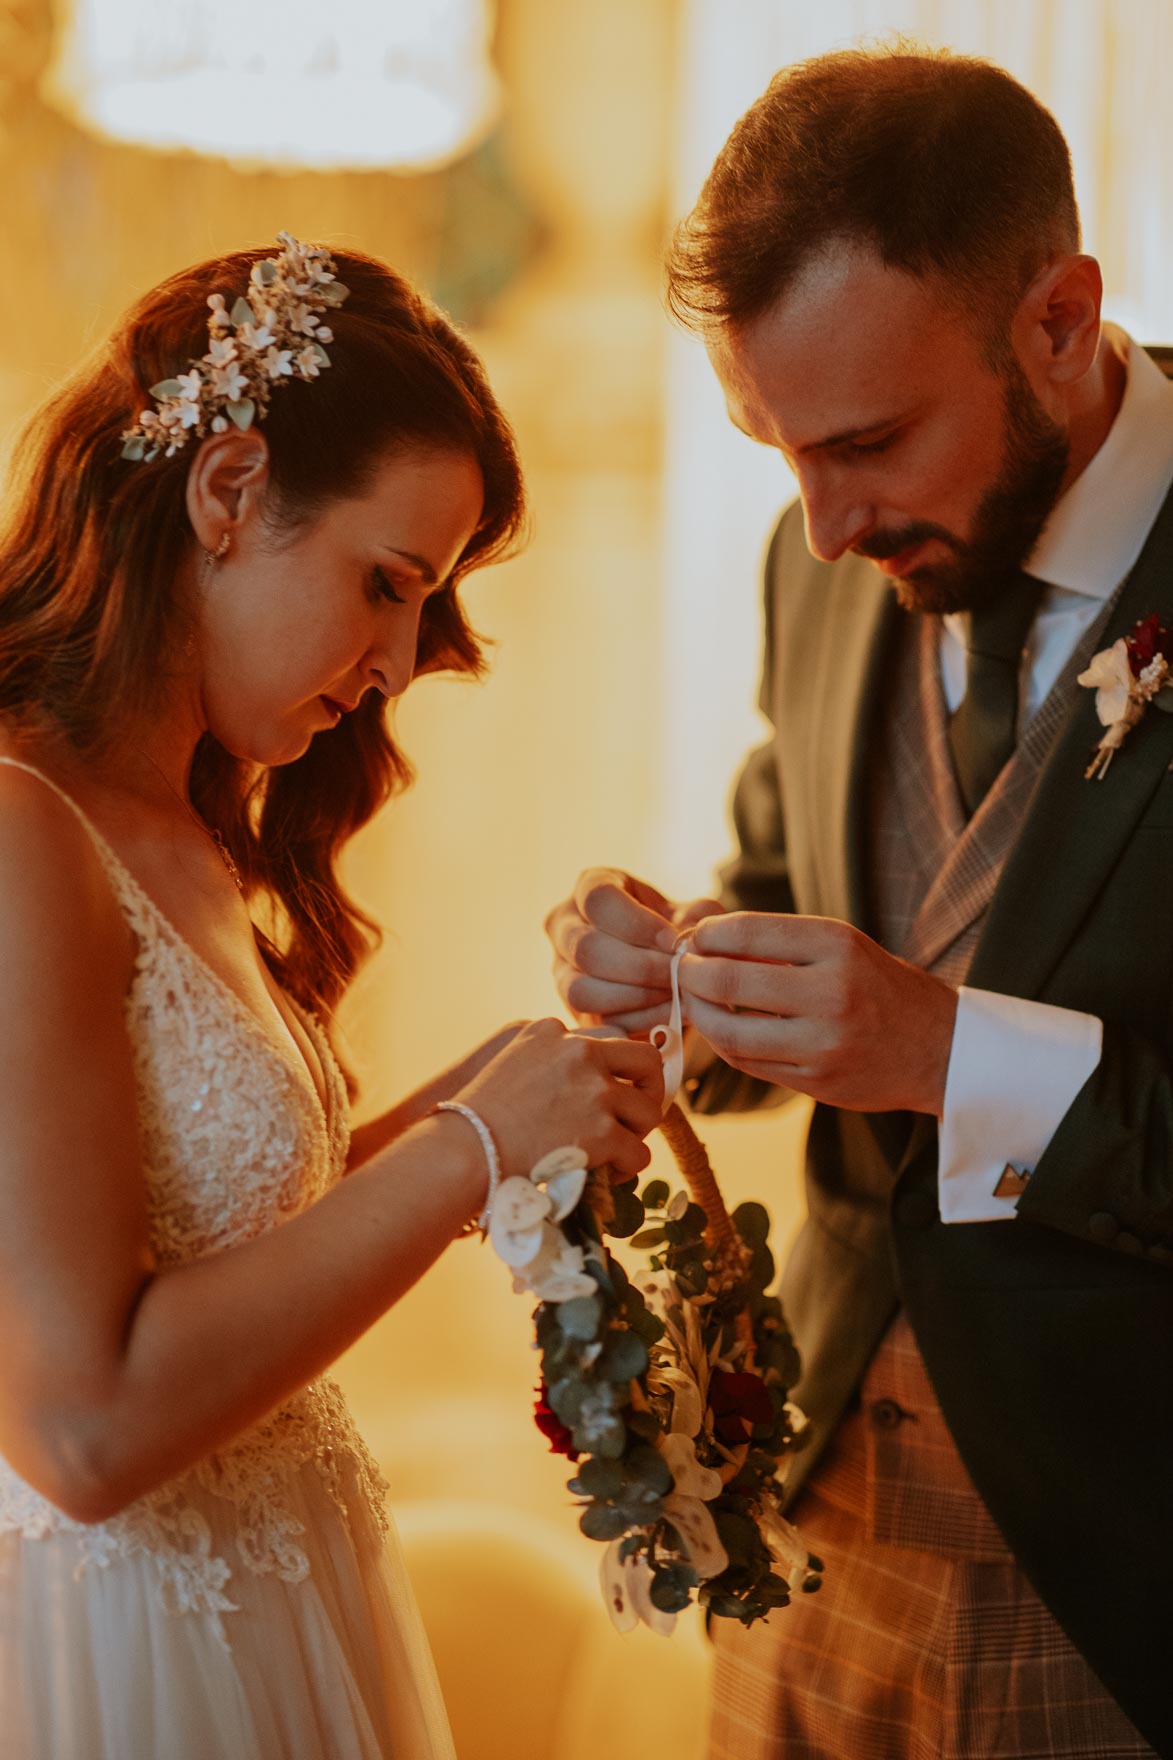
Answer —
1015 1067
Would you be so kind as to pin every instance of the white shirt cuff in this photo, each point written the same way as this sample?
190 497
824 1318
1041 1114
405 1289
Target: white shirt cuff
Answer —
1014 1069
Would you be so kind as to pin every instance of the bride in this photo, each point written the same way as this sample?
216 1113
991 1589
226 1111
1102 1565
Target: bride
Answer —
235 536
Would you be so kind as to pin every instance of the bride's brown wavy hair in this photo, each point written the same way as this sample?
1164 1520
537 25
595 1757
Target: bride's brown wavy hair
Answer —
93 550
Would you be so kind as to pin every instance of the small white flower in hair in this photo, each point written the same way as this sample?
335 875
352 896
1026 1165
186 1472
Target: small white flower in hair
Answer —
255 337
303 320
279 362
308 363
229 382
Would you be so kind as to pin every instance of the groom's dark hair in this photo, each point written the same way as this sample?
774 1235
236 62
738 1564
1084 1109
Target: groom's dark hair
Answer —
943 164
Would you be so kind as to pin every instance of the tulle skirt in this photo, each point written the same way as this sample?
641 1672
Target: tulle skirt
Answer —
336 1667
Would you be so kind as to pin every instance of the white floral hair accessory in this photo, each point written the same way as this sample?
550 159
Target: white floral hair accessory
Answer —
273 333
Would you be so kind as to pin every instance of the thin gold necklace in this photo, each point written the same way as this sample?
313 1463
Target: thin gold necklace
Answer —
222 848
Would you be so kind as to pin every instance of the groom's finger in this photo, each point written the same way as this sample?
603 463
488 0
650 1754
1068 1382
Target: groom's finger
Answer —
597 954
585 995
622 906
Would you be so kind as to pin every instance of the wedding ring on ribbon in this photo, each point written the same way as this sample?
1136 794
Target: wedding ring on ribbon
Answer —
669 1040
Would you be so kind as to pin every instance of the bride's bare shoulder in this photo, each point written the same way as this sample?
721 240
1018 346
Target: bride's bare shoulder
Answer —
58 911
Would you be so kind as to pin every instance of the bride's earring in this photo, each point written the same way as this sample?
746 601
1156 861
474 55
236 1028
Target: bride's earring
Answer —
212 557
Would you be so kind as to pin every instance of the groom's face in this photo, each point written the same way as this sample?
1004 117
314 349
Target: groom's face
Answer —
909 447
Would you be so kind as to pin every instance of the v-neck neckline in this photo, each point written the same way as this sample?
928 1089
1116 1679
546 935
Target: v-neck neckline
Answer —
295 1061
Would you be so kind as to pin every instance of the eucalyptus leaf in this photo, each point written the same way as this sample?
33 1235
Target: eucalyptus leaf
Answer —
644 1424
648 1468
738 1535
629 1215
607 1438
242 412
600 1274
761 1267
167 388
752 1222
641 1508
267 272
667 1595
600 1478
581 1318
134 448
1164 700
656 1194
242 313
651 1329
692 1278
601 1521
625 1356
651 1237
323 357
565 1400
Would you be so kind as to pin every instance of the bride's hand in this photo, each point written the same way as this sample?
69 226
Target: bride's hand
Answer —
612 941
549 1088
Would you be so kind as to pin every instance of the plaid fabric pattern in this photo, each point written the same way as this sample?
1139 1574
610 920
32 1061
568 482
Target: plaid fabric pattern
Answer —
903 1655
903 1476
934 873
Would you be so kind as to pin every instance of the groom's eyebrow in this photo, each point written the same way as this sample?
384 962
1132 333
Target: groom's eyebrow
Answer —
828 444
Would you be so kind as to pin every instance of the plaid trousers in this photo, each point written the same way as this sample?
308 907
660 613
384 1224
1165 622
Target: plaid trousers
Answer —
926 1642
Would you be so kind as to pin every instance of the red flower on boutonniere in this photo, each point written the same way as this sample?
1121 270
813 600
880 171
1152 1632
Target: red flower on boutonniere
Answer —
1134 672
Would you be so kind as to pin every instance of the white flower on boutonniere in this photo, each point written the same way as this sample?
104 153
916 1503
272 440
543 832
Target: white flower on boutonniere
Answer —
1127 677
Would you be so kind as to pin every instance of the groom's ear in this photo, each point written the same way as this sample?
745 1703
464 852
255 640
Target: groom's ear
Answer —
226 483
1056 330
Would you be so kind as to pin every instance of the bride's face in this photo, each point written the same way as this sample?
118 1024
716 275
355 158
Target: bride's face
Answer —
296 625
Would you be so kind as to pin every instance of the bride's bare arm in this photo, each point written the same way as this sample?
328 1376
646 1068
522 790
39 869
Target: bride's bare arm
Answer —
367 1139
115 1374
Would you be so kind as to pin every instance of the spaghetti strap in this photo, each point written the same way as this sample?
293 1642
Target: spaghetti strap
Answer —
130 895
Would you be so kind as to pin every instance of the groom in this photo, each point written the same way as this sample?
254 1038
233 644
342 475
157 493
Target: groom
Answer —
937 926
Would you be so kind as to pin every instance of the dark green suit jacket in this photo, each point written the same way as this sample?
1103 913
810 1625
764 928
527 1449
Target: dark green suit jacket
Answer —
1049 1338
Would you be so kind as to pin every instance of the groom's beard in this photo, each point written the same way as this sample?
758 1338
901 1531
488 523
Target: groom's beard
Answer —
1009 517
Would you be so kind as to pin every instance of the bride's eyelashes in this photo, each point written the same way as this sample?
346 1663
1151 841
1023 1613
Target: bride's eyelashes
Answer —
385 588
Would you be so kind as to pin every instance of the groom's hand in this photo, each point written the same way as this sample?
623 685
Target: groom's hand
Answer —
811 1003
612 941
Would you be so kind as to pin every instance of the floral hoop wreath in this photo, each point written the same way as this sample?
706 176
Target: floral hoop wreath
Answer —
669 1389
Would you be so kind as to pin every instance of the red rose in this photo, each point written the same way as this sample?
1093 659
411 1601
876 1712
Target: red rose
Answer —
1148 639
561 1439
738 1403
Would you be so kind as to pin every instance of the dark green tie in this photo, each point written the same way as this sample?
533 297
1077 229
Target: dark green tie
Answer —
983 731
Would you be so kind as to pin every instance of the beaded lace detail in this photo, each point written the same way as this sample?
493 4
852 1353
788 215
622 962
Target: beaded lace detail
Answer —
235 1141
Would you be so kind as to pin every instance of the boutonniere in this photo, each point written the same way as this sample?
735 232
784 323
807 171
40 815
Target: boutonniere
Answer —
1134 672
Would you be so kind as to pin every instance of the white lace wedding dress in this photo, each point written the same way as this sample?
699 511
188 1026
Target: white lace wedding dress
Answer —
257 1608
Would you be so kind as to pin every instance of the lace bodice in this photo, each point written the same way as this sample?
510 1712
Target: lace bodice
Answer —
235 1141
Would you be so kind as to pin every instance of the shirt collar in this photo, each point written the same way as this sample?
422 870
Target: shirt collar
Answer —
1097 529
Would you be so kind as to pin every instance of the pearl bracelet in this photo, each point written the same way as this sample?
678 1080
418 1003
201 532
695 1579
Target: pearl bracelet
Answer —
482 1130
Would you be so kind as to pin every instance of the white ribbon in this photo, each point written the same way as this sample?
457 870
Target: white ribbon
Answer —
669 1040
